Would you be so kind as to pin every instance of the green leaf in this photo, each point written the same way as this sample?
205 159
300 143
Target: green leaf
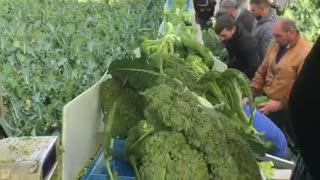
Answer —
138 73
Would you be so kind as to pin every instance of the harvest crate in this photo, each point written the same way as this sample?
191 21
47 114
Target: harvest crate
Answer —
98 171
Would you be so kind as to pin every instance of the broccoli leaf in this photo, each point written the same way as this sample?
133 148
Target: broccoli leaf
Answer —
137 73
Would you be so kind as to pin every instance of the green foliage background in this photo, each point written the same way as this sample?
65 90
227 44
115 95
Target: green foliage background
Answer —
53 50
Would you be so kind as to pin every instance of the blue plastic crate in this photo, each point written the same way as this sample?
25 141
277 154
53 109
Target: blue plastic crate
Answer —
98 170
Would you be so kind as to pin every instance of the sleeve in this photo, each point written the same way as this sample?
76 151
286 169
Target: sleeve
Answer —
230 63
259 78
196 11
284 103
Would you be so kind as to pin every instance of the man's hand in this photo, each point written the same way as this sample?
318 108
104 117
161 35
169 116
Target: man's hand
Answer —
245 101
270 107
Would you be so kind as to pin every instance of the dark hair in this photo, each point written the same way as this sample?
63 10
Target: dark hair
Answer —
264 3
224 21
288 25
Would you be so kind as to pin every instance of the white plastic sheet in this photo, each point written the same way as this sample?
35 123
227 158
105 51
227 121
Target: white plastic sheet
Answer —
81 130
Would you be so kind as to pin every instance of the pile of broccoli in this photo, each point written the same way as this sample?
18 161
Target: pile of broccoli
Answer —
180 118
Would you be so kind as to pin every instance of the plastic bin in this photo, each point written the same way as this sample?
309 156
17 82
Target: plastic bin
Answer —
98 171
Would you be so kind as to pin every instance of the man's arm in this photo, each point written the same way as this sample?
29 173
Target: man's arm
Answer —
259 78
196 10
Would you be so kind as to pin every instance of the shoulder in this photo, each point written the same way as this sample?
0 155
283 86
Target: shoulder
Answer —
246 12
273 47
267 26
212 4
304 45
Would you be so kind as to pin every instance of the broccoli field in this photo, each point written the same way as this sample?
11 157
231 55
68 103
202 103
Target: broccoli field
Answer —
180 117
53 50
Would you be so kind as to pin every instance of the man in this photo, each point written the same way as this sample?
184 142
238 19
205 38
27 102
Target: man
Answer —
241 15
303 108
241 46
279 70
261 10
279 6
204 11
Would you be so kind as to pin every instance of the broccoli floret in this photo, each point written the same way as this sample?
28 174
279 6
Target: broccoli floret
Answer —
128 112
166 155
176 67
206 130
242 155
161 99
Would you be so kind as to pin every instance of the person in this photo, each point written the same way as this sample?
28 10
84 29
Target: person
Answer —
241 46
240 15
204 11
303 108
279 6
279 70
266 18
272 133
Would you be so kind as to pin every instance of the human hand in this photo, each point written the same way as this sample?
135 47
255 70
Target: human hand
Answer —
269 107
245 101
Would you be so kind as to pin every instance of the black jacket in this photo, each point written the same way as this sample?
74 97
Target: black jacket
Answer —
247 20
304 107
203 17
242 51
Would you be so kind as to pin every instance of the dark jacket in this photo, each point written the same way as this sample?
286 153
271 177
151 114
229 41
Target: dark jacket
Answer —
304 107
203 15
247 20
242 51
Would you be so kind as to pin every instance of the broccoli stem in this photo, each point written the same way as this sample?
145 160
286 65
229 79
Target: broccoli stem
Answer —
142 137
132 160
109 170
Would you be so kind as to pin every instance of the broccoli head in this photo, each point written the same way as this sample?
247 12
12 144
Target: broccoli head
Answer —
166 155
206 130
165 103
